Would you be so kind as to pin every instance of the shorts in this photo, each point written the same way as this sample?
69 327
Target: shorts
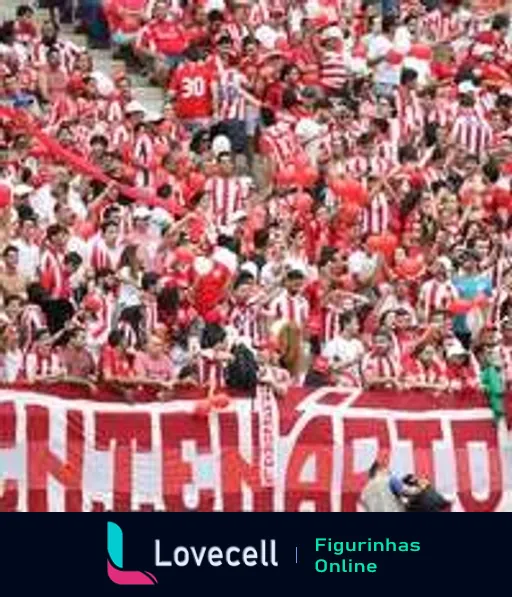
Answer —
193 125
119 38
384 90
236 132
173 60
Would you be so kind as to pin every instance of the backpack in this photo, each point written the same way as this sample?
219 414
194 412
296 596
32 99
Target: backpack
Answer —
242 372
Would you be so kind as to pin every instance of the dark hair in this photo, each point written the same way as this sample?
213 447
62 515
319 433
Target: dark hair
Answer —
261 238
52 50
327 254
36 294
408 76
53 230
267 117
243 278
10 249
23 10
500 21
12 297
491 170
294 274
212 335
73 258
98 139
115 338
388 22
374 469
346 319
149 279
215 16
128 256
107 224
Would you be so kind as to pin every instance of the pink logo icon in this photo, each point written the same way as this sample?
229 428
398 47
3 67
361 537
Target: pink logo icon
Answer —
115 561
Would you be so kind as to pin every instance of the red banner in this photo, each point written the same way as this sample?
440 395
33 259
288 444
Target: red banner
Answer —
308 451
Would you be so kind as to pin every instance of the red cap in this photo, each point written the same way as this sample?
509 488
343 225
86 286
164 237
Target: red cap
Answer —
420 51
184 255
485 37
5 196
394 57
214 316
91 303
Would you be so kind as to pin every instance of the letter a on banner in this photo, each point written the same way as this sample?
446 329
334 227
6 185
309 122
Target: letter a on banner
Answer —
266 406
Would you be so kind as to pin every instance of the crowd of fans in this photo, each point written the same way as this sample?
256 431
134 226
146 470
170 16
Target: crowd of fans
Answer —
324 197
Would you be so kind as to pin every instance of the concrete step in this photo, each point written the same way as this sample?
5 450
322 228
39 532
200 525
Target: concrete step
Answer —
150 93
78 39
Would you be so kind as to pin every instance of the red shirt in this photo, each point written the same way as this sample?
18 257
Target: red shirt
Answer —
165 37
118 365
191 83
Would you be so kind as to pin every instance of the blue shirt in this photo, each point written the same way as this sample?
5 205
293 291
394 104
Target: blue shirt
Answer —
470 287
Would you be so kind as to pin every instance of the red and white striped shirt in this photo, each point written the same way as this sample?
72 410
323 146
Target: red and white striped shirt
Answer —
361 166
441 27
211 371
410 112
290 308
436 295
98 329
331 325
415 370
53 277
32 319
333 72
227 197
101 256
280 144
247 320
46 366
472 132
375 218
68 51
230 96
379 365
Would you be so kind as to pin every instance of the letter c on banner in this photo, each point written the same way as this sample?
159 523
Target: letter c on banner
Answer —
229 551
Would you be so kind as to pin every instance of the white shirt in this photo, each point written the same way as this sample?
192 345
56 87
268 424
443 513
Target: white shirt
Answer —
129 294
29 257
361 264
43 203
12 362
343 351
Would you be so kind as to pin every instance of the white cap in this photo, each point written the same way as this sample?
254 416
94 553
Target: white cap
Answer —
251 268
152 117
332 33
482 49
22 189
221 144
307 129
134 106
160 217
466 87
445 262
226 258
141 212
455 349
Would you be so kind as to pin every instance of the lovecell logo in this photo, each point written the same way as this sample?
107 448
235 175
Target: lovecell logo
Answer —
115 570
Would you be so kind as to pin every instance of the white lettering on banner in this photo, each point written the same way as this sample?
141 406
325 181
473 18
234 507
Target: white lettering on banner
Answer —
269 430
80 455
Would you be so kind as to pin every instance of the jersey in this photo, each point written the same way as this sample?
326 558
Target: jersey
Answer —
191 84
